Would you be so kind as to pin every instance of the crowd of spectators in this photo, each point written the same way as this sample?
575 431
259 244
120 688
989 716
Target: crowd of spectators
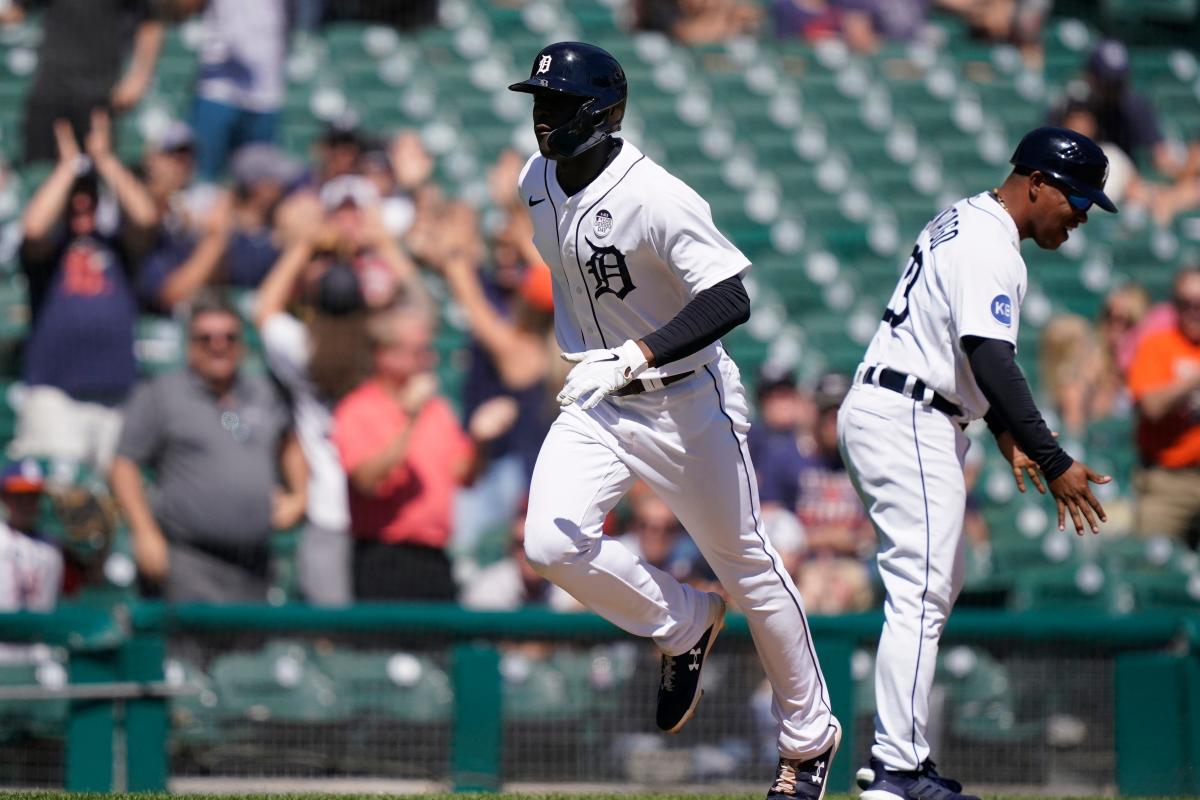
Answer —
400 490
864 25
1138 362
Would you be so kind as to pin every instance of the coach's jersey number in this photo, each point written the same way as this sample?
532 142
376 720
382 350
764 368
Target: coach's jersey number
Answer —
893 315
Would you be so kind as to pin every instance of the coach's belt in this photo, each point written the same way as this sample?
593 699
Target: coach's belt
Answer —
651 384
910 387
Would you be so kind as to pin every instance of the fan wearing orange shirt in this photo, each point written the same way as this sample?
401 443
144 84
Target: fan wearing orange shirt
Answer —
1164 380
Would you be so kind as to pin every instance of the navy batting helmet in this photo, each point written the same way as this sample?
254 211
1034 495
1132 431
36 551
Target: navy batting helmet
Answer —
584 71
1068 157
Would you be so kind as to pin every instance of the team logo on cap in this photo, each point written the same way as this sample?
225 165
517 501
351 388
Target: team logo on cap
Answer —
1002 309
544 64
602 224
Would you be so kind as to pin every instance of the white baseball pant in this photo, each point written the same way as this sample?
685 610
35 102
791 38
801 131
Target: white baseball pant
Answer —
688 442
906 460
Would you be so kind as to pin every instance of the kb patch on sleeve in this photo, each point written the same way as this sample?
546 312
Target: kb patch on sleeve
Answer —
1002 309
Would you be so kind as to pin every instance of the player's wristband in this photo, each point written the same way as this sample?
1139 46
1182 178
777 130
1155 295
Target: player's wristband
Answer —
633 358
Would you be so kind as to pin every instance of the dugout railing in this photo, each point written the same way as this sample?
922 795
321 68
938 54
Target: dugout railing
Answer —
480 700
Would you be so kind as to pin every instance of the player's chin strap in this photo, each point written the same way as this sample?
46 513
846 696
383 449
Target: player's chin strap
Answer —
582 132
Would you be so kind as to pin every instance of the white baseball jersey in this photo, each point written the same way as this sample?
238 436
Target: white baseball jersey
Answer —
965 277
627 252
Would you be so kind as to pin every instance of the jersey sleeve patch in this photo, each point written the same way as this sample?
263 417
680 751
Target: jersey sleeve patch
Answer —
1001 309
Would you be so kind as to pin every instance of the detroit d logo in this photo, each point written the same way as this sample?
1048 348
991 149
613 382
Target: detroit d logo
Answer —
544 64
608 268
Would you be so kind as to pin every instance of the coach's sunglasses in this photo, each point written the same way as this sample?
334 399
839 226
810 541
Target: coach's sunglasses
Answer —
1078 202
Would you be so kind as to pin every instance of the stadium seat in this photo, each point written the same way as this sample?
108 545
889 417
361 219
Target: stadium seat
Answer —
981 704
1085 587
393 685
279 682
25 718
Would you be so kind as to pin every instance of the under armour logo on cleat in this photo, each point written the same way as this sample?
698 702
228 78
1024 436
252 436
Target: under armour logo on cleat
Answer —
695 654
533 202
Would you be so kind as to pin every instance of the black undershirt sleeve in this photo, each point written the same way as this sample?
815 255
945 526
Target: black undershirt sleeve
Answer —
709 315
994 422
1012 408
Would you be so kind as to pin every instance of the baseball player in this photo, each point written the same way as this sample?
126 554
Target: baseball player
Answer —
644 287
944 355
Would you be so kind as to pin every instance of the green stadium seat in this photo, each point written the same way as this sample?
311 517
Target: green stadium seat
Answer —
595 18
21 718
344 40
1168 590
1084 587
193 720
159 345
558 687
279 682
1134 554
395 685
1176 12
981 705
1013 553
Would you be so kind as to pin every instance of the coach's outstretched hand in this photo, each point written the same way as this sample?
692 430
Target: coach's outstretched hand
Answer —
1072 493
1022 464
600 372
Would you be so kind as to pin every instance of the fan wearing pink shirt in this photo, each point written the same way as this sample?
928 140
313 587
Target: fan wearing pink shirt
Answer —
405 456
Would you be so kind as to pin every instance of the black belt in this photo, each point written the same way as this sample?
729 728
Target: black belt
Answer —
639 386
897 381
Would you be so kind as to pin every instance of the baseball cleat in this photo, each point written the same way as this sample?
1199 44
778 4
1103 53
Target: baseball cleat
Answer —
866 775
921 784
679 689
929 770
804 780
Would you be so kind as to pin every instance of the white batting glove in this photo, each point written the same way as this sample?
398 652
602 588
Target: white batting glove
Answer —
601 372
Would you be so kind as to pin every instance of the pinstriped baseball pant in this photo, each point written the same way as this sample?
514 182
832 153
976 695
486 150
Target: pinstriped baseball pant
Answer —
906 461
688 442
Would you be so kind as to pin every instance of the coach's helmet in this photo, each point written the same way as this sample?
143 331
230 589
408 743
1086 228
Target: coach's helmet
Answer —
584 71
1068 157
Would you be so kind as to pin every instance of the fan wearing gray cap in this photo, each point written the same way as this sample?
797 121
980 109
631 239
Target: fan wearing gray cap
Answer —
264 178
168 169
